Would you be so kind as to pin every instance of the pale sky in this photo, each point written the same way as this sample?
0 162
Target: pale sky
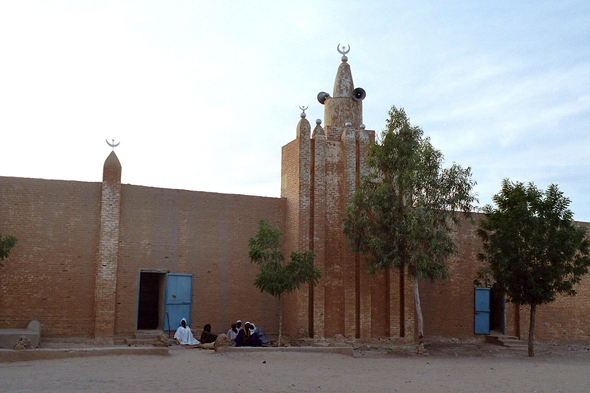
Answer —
203 94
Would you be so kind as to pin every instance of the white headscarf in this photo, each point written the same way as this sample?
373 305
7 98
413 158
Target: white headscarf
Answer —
184 335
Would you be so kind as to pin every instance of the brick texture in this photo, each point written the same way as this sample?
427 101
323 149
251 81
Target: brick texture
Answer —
50 275
199 233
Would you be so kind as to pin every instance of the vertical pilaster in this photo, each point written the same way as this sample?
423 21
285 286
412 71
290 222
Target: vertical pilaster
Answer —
304 211
351 317
364 279
108 254
319 227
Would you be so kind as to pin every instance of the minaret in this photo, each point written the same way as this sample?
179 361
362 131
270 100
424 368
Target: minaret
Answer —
319 178
108 254
346 103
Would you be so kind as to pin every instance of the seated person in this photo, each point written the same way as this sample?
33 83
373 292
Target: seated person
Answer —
247 338
233 332
184 336
260 333
207 336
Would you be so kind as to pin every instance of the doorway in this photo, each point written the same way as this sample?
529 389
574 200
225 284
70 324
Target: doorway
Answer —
497 311
150 308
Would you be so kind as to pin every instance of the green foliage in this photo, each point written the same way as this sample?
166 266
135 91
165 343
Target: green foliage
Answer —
6 244
276 277
403 212
531 248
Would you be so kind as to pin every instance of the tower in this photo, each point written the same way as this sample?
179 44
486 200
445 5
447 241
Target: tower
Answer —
108 253
321 170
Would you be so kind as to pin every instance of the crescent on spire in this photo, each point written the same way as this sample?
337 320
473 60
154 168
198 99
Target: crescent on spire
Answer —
113 145
345 49
303 108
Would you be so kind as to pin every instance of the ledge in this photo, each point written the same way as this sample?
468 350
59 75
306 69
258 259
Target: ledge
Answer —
347 351
11 355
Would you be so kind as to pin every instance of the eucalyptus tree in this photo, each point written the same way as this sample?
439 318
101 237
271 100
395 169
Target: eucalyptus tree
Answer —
403 213
277 277
532 249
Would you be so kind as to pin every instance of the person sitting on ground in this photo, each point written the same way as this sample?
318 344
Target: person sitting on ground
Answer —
260 333
207 336
232 333
246 337
184 336
239 324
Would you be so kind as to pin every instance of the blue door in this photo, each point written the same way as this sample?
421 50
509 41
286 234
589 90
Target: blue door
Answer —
482 310
178 300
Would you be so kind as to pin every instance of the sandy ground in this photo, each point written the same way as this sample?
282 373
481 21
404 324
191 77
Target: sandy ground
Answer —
447 368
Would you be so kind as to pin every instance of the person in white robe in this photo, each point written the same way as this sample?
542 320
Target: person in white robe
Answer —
233 332
184 336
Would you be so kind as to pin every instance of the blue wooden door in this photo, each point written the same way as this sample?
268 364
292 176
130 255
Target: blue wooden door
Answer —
178 300
482 310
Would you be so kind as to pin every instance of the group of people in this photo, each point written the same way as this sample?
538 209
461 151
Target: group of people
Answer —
248 336
184 336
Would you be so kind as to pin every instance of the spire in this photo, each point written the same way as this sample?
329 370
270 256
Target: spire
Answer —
346 103
303 127
112 168
343 85
318 130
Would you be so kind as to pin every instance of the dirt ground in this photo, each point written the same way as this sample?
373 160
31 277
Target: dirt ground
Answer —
447 367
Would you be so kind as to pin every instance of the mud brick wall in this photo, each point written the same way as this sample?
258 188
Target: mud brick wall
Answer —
448 305
200 233
565 319
50 275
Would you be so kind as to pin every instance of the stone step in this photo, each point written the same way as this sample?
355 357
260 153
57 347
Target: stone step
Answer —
142 342
515 345
506 341
147 334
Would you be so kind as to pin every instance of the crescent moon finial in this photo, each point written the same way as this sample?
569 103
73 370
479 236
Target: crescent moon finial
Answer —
345 49
113 144
303 108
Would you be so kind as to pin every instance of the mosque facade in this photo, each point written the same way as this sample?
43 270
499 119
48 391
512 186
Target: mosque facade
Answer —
106 260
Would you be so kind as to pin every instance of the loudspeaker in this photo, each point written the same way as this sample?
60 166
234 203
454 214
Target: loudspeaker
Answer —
322 96
359 94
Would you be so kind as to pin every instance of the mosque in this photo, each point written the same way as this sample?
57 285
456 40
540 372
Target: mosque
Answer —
106 260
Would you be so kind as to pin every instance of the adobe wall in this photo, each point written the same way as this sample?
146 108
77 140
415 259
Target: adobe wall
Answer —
448 305
50 275
565 319
201 233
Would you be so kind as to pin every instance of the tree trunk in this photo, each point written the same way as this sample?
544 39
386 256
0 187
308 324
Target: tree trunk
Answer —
532 331
280 320
419 315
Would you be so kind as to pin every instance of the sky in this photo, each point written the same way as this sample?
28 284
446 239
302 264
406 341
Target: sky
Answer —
202 95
